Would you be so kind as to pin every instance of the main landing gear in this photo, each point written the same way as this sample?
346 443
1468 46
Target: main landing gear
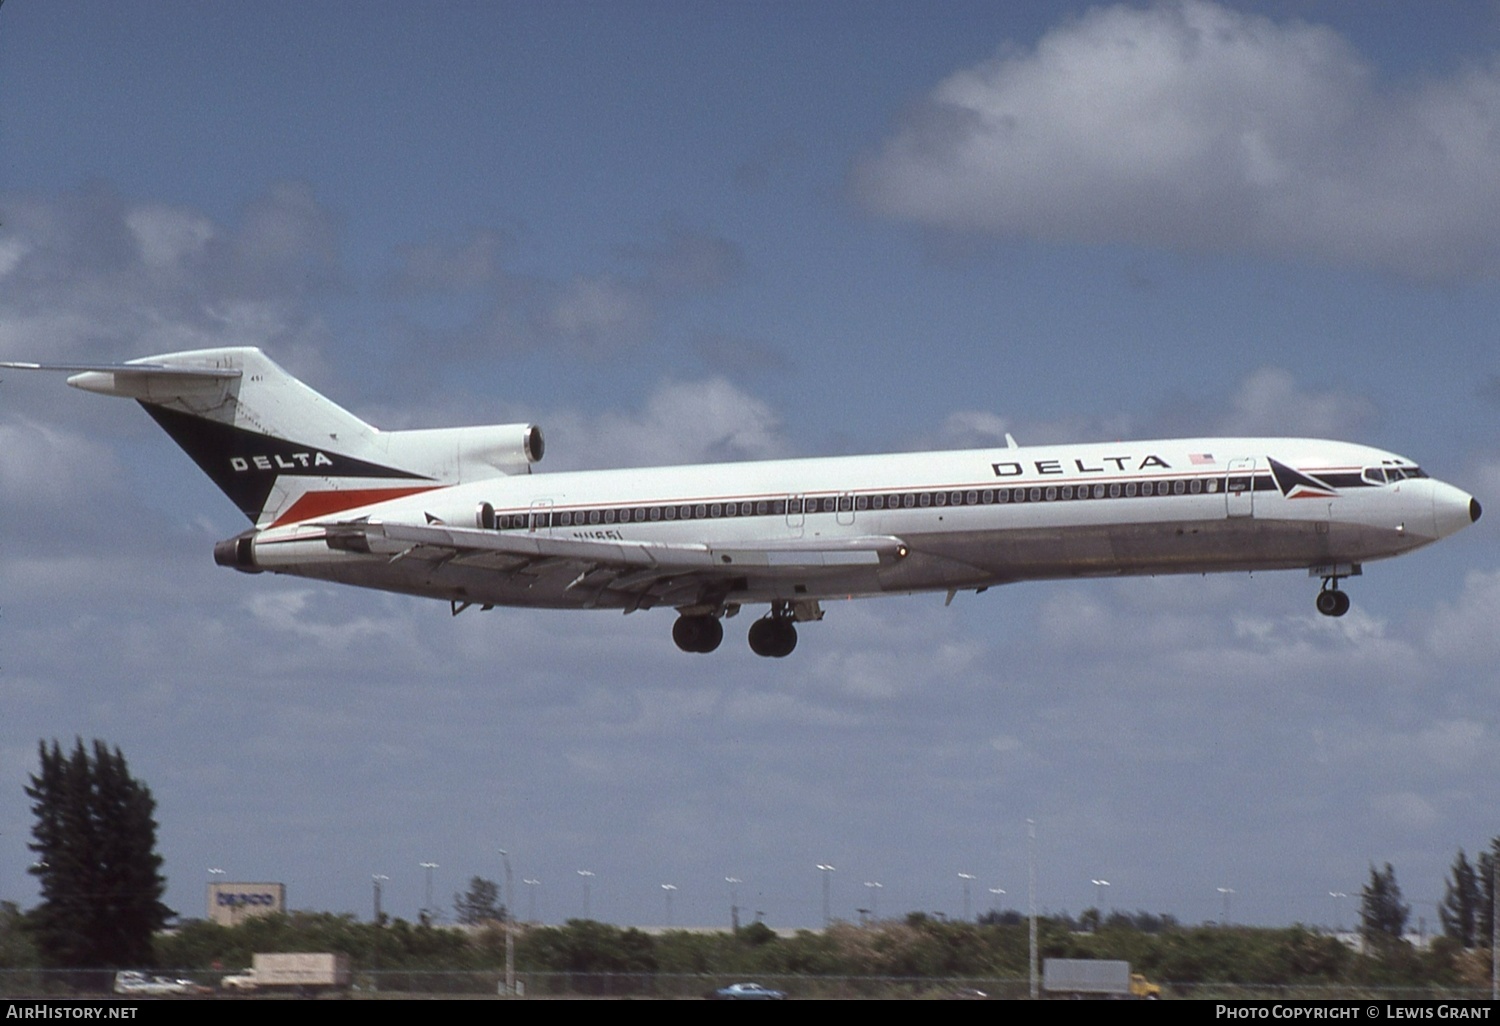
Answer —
773 636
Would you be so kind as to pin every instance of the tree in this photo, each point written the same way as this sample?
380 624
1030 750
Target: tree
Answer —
1460 908
96 861
481 904
1382 913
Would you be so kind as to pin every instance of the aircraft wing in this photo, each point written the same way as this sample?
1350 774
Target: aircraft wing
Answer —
655 572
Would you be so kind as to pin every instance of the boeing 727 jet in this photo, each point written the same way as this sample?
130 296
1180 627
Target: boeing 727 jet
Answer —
457 513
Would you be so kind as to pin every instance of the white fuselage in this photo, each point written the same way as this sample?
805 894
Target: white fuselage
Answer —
458 514
964 520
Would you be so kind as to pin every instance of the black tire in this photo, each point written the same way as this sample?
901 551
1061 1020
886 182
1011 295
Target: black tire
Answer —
700 634
763 637
712 635
773 638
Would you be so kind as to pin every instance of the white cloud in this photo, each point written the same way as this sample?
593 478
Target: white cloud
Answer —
1464 631
1486 478
168 236
592 311
975 429
1407 810
1192 126
91 275
43 465
615 307
434 267
683 422
1270 402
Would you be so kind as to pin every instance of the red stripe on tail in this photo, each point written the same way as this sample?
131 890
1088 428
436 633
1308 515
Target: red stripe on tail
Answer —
320 504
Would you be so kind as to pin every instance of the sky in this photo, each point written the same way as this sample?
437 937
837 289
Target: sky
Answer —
672 232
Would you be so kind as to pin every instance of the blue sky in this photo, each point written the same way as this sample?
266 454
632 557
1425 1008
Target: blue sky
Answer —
671 232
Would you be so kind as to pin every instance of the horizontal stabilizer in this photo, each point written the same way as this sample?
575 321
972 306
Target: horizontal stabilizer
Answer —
144 382
127 368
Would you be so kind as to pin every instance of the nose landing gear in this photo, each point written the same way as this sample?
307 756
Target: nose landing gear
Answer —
1331 601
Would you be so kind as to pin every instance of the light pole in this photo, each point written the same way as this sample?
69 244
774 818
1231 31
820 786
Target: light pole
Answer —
531 886
510 884
734 902
966 877
213 872
997 891
827 872
667 890
1031 900
1099 886
376 879
587 878
875 888
510 939
427 907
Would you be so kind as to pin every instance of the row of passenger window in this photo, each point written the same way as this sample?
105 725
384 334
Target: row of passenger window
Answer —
546 517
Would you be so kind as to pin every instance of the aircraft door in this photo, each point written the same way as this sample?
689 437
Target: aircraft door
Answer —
1239 488
794 516
846 509
541 517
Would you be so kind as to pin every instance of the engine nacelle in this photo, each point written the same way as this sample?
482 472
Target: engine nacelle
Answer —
238 553
458 455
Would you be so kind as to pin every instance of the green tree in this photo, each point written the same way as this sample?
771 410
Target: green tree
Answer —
96 861
480 904
1382 913
1460 908
16 948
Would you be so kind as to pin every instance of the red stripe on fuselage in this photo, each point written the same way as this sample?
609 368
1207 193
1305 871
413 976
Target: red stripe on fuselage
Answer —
320 504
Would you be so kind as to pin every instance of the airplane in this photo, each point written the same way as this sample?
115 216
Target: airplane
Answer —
457 514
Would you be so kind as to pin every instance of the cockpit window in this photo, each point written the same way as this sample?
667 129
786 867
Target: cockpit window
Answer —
1390 474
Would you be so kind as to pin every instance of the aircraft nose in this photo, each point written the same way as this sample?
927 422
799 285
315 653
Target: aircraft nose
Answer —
1452 509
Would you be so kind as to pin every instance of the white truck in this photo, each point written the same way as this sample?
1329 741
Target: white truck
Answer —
1095 978
305 972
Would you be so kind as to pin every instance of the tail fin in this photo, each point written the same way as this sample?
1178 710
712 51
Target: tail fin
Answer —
284 453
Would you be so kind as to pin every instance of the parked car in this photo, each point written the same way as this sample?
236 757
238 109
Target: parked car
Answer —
746 992
137 983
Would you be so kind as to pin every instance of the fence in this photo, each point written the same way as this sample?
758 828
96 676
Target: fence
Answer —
95 983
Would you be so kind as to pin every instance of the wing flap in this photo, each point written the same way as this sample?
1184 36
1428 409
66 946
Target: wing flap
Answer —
670 557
